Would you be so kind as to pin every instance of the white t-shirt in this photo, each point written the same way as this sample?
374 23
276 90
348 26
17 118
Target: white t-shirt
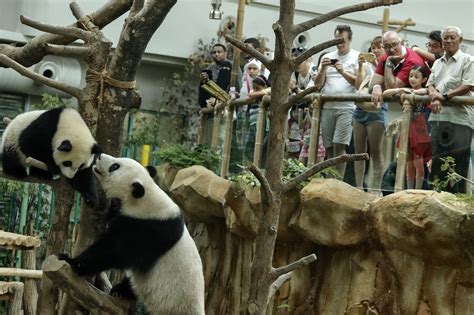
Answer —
335 82
304 82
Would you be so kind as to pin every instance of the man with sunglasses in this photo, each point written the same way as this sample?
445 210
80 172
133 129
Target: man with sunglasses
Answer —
394 66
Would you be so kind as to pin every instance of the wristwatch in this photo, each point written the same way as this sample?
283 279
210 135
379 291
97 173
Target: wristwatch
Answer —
445 95
389 64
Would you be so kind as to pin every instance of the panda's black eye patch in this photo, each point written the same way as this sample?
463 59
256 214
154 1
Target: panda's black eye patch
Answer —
114 167
67 163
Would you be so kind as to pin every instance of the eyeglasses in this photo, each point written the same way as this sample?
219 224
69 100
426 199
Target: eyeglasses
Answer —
391 46
430 45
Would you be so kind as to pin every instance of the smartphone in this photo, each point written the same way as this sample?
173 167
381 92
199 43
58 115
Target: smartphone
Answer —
333 61
369 57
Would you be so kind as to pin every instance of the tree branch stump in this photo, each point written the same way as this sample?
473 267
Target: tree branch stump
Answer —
81 291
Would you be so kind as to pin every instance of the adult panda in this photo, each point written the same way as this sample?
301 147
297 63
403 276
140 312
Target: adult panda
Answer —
59 138
147 237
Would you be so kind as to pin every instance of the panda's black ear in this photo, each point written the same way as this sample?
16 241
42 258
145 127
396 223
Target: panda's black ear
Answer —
138 190
65 146
151 170
96 149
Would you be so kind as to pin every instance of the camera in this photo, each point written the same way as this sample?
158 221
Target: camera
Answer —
333 61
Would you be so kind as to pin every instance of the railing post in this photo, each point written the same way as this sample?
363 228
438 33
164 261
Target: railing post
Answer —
257 152
216 129
201 128
403 143
227 141
315 123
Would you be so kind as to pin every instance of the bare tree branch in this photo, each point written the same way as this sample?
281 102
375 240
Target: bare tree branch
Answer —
268 194
280 39
58 30
315 49
35 50
136 7
304 26
77 93
278 272
60 50
322 165
249 50
278 283
79 289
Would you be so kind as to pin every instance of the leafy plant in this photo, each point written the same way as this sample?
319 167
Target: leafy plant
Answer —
49 102
452 176
180 156
291 169
145 130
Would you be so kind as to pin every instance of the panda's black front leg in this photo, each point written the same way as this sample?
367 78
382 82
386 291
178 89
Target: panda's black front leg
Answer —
123 290
98 257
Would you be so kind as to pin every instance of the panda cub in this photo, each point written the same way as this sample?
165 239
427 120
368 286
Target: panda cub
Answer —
147 237
59 138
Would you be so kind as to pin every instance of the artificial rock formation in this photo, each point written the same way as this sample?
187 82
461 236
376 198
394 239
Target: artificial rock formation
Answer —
407 253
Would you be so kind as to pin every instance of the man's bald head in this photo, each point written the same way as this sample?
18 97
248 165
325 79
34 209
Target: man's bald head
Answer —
392 43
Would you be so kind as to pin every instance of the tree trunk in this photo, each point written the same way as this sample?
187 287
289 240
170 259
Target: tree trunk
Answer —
56 241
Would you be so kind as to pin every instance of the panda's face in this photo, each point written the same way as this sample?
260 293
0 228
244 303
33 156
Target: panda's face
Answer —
71 158
122 177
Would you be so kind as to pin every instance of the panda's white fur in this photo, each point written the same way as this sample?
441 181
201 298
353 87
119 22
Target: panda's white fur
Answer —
172 282
69 127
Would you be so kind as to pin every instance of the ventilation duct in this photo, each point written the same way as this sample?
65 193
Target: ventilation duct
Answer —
62 69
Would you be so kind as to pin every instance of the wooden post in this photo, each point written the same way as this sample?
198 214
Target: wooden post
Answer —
314 138
257 152
216 127
31 291
201 128
386 15
15 289
227 141
403 146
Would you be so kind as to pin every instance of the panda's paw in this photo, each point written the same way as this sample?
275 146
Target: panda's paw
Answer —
123 290
71 261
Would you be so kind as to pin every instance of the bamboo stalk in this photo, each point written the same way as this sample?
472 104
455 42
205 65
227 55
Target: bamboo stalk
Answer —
257 152
227 142
403 149
314 138
23 273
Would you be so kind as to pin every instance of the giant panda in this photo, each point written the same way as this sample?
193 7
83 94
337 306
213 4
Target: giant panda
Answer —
147 237
59 138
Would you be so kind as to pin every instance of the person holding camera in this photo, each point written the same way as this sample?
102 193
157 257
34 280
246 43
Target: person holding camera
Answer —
336 75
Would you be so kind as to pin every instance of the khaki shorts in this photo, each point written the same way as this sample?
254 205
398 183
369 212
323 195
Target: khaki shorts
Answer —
336 125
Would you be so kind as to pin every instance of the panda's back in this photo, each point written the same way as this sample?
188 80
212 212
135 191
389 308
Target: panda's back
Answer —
11 144
175 284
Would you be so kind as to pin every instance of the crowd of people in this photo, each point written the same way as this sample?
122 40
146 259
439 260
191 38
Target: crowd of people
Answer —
438 129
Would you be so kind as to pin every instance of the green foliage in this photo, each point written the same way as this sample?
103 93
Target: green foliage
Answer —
145 131
180 156
49 102
452 177
9 187
291 169
245 178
